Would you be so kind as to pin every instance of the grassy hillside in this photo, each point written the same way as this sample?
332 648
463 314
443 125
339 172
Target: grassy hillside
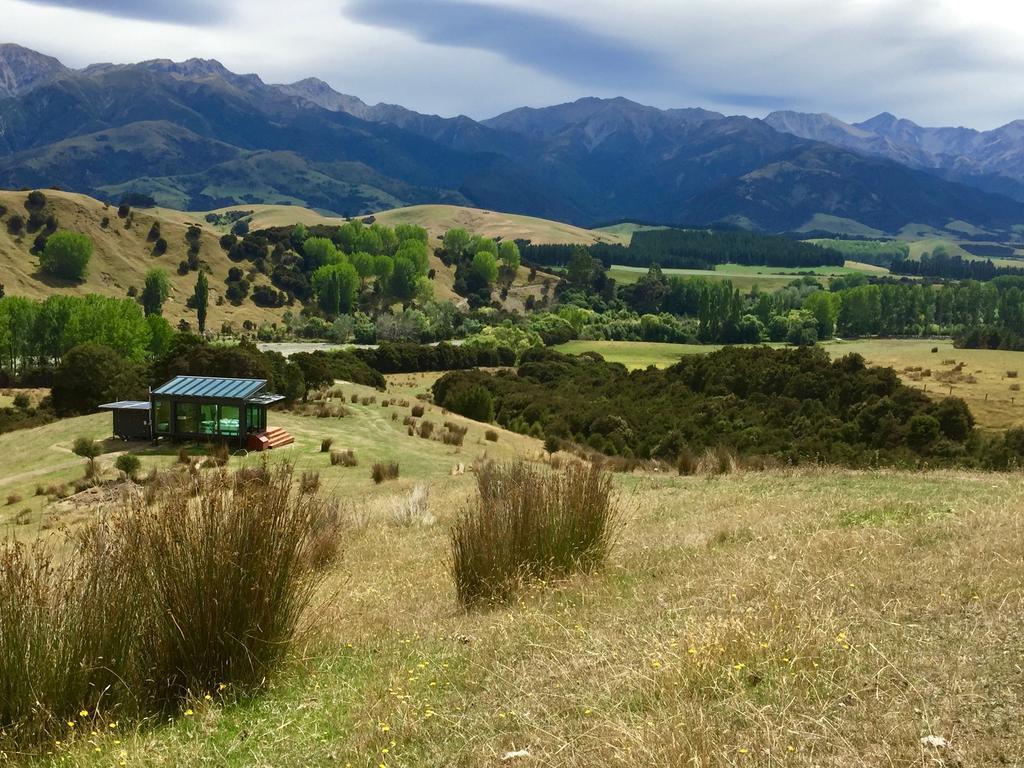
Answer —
746 277
122 257
798 618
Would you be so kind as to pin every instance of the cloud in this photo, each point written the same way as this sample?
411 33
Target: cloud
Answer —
552 45
190 12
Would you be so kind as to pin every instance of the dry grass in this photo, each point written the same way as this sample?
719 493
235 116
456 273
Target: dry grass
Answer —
528 524
384 470
798 618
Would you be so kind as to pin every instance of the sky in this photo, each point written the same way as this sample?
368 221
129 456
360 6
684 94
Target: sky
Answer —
937 62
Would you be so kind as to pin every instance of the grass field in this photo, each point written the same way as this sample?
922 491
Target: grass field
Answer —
788 618
794 618
983 382
746 277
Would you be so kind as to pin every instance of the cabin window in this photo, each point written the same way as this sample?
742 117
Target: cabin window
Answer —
208 418
255 418
229 420
189 417
163 417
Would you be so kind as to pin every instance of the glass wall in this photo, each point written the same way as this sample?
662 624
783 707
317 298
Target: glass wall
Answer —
188 417
255 418
229 420
163 417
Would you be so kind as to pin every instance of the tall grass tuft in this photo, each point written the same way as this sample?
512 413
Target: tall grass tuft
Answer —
530 523
381 471
159 601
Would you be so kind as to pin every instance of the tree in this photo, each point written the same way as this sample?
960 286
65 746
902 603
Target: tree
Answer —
456 242
508 252
66 255
580 267
485 267
129 464
89 449
336 287
202 300
472 401
318 252
155 292
402 282
91 374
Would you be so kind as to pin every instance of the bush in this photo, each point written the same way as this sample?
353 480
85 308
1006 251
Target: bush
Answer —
22 401
473 402
66 255
381 471
346 458
13 499
159 602
309 482
426 429
491 435
89 449
129 464
220 454
530 523
417 411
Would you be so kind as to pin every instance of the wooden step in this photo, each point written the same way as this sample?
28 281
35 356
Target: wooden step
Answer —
275 437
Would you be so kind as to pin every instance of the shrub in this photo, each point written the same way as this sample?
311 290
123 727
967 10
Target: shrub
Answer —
66 255
530 523
426 429
453 436
346 458
13 499
309 482
687 463
410 509
220 454
473 402
22 400
129 464
381 471
89 449
1011 374
491 435
417 411
325 444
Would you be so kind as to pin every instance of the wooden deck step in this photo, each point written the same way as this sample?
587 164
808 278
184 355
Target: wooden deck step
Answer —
275 437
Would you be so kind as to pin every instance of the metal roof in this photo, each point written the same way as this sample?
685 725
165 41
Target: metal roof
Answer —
210 386
266 398
126 405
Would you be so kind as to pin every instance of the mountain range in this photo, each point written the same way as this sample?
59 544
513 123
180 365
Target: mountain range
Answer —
197 136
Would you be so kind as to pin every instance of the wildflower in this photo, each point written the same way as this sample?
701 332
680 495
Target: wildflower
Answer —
208 697
743 750
384 727
84 713
739 665
189 713
112 725
791 748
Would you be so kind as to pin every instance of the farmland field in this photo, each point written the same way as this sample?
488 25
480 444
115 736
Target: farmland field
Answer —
746 277
983 382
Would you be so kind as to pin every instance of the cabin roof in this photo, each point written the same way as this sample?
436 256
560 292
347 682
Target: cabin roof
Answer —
210 386
126 405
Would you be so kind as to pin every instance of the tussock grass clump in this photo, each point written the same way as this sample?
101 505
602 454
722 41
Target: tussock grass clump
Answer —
1011 374
309 482
325 444
346 458
381 471
220 454
417 411
529 523
13 498
491 435
354 399
412 509
426 429
158 602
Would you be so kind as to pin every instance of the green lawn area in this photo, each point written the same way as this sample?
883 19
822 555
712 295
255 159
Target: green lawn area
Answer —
746 277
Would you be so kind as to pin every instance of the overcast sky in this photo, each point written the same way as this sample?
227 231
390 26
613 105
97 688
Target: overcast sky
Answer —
938 62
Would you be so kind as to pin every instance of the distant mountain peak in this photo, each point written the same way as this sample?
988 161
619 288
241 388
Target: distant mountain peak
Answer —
22 69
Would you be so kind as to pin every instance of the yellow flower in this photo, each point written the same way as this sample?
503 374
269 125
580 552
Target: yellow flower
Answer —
743 750
189 713
112 725
208 697
791 748
384 727
84 713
